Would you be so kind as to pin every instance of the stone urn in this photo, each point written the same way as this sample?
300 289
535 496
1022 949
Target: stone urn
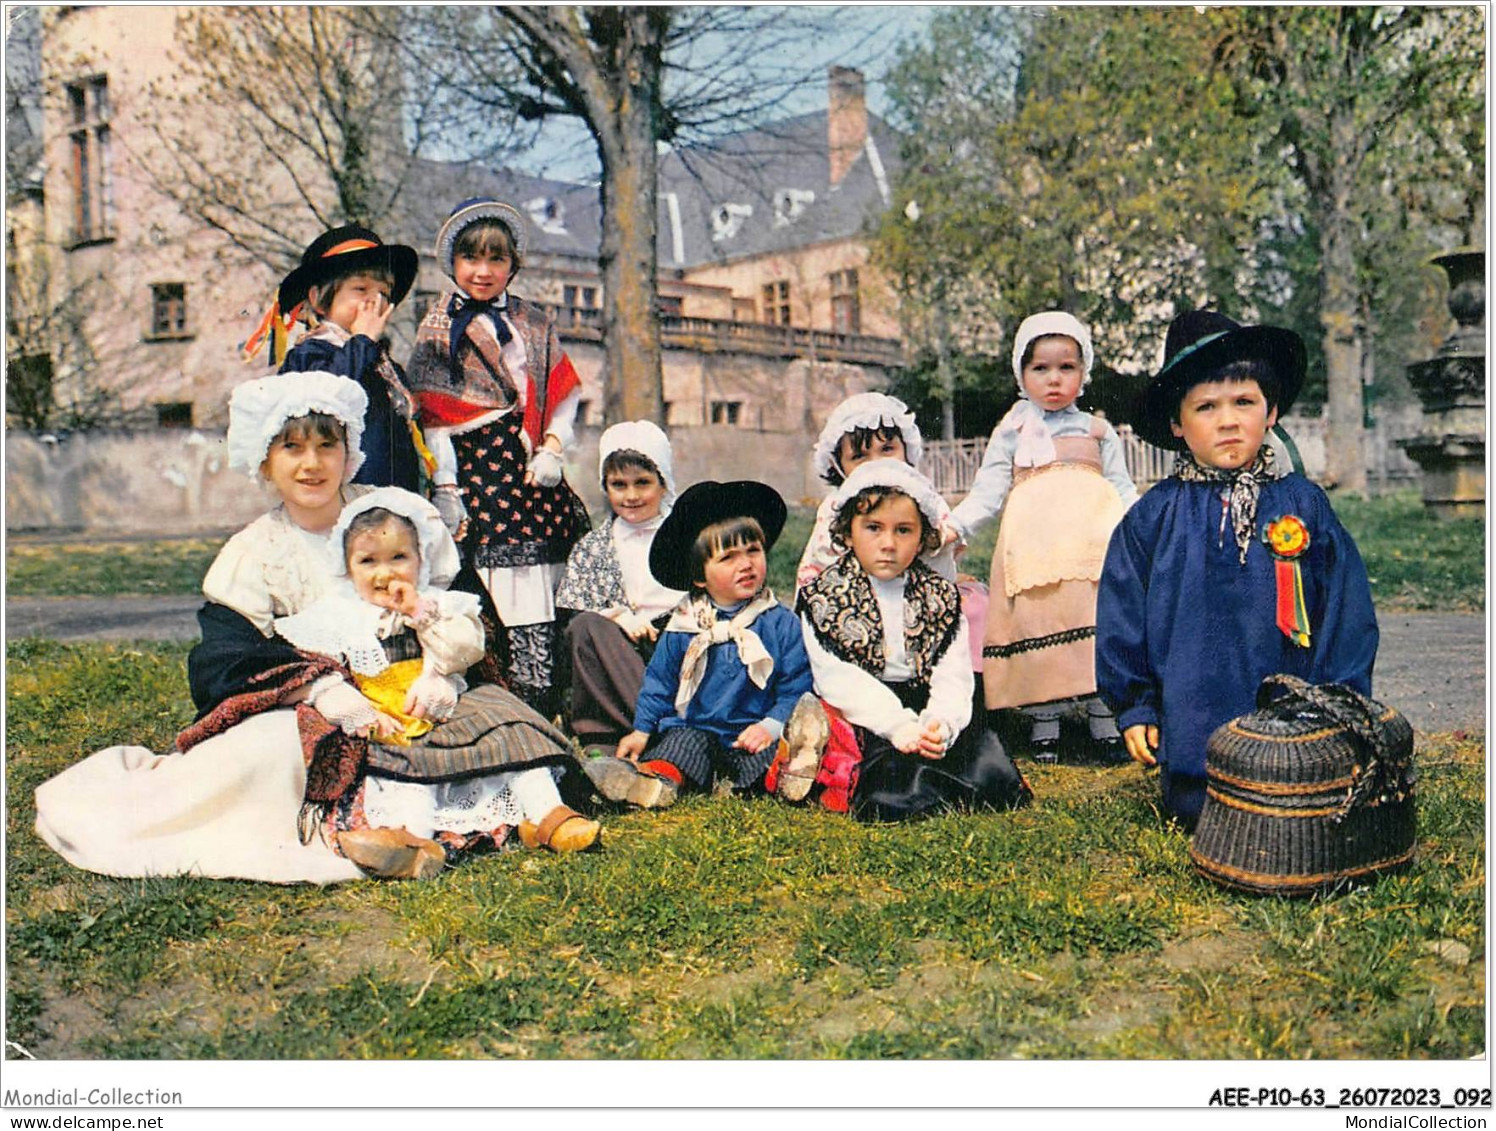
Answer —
1451 448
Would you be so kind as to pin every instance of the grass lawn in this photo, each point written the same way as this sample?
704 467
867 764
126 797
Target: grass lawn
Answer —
731 929
735 929
108 569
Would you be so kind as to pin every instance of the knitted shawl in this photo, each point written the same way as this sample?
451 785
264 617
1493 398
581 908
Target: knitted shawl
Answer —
453 390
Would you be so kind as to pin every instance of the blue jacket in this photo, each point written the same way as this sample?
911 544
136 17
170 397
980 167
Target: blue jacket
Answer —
1185 632
390 458
727 701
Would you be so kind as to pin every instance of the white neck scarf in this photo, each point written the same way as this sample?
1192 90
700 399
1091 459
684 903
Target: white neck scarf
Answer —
699 616
1035 444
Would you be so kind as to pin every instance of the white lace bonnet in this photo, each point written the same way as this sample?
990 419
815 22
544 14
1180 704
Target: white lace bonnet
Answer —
1052 322
896 474
439 561
866 410
259 409
644 437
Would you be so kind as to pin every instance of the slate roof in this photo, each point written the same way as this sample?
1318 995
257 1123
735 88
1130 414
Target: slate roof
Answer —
764 170
779 170
437 186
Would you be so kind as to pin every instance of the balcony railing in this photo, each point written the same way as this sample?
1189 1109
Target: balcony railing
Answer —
717 335
952 464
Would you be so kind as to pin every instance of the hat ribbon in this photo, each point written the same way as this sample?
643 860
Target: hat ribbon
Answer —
1193 347
349 245
275 329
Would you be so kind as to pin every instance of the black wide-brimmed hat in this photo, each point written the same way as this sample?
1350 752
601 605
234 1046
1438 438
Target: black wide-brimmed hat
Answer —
349 250
698 507
1198 343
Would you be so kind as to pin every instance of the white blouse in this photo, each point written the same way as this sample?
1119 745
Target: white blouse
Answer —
865 699
994 479
631 543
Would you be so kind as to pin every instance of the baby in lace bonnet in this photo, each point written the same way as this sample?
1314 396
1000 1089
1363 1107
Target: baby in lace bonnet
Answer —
383 544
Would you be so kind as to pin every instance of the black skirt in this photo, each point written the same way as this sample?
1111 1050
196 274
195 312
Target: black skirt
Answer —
511 524
976 773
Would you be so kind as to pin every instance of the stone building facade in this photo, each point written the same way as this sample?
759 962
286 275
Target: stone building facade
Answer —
769 311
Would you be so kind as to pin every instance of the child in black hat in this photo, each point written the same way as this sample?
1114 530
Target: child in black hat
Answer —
498 399
1229 570
347 285
730 666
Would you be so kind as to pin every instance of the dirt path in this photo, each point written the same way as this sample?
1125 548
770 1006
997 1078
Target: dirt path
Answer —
103 618
1431 666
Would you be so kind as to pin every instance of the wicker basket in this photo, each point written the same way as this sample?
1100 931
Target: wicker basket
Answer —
1312 790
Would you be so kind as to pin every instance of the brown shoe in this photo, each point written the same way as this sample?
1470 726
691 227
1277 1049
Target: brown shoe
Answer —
560 830
805 738
393 854
618 779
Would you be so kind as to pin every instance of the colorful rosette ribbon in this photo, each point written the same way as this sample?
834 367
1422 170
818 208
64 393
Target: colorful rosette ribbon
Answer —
1286 539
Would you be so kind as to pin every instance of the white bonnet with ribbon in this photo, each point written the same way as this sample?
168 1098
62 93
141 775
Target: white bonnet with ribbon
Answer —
866 410
644 437
1046 323
259 409
439 561
901 477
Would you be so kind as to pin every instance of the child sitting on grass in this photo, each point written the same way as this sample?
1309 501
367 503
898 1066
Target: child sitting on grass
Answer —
445 762
865 426
870 426
1229 570
888 648
730 666
617 607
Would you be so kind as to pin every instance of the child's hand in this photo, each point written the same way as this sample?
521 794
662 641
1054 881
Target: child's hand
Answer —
401 596
753 739
906 737
431 696
636 627
1140 739
373 314
386 726
447 498
949 534
545 467
632 746
931 741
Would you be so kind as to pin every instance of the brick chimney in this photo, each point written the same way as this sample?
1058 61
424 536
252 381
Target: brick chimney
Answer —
846 119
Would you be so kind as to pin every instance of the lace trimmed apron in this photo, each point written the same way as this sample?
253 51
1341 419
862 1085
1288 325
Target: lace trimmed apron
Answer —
1039 644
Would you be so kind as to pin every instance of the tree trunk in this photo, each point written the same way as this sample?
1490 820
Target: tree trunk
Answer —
1345 462
947 378
632 385
632 378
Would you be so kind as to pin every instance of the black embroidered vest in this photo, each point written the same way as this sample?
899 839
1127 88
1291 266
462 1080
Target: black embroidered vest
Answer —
843 612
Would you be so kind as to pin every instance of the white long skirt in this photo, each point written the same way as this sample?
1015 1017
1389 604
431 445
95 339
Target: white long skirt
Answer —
226 809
